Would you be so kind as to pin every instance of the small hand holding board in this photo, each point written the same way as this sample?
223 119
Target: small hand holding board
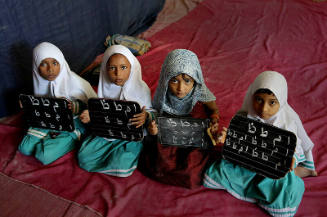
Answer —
262 148
48 113
110 118
184 132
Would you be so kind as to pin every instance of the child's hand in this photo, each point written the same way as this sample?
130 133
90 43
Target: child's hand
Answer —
216 137
153 128
71 106
85 117
214 127
292 164
222 135
140 118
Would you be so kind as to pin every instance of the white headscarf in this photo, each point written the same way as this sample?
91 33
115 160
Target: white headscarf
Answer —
286 118
67 84
177 62
134 89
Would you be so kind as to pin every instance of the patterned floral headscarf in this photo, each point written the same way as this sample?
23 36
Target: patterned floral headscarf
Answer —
177 62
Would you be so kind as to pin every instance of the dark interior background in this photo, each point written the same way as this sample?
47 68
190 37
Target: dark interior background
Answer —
78 28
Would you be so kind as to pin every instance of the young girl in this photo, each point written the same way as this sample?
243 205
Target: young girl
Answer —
181 89
52 77
120 78
266 100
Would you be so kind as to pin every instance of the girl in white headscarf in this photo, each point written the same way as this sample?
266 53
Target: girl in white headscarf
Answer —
266 100
121 79
286 118
52 77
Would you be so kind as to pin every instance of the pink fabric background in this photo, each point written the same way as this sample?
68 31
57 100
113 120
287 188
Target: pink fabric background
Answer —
21 199
235 41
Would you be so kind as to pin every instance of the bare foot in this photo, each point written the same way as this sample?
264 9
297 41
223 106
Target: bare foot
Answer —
304 172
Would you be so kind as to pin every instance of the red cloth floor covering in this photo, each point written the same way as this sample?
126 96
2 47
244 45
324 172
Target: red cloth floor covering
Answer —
235 41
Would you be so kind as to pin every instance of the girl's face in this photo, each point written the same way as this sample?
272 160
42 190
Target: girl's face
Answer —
181 85
49 69
118 69
265 105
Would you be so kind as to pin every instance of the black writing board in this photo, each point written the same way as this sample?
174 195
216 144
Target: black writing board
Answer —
48 113
184 132
110 118
262 148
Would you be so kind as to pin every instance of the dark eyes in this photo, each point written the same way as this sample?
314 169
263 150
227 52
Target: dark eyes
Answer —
112 68
187 80
44 64
259 100
273 102
173 80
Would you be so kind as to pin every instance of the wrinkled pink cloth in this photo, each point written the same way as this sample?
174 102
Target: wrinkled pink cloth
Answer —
235 40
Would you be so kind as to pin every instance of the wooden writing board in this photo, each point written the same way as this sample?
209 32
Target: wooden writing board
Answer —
48 113
262 148
184 132
110 118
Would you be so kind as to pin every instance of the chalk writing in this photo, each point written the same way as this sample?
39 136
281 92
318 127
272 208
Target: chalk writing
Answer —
111 119
277 139
45 101
264 133
263 144
183 132
118 106
254 140
49 113
104 104
120 122
34 100
37 114
252 128
55 106
43 124
260 147
172 122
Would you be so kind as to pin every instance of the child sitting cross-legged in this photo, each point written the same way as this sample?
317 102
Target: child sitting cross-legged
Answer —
120 79
266 101
181 92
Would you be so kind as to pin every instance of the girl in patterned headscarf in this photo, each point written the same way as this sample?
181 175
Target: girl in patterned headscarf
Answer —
52 77
120 79
180 91
266 101
183 63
